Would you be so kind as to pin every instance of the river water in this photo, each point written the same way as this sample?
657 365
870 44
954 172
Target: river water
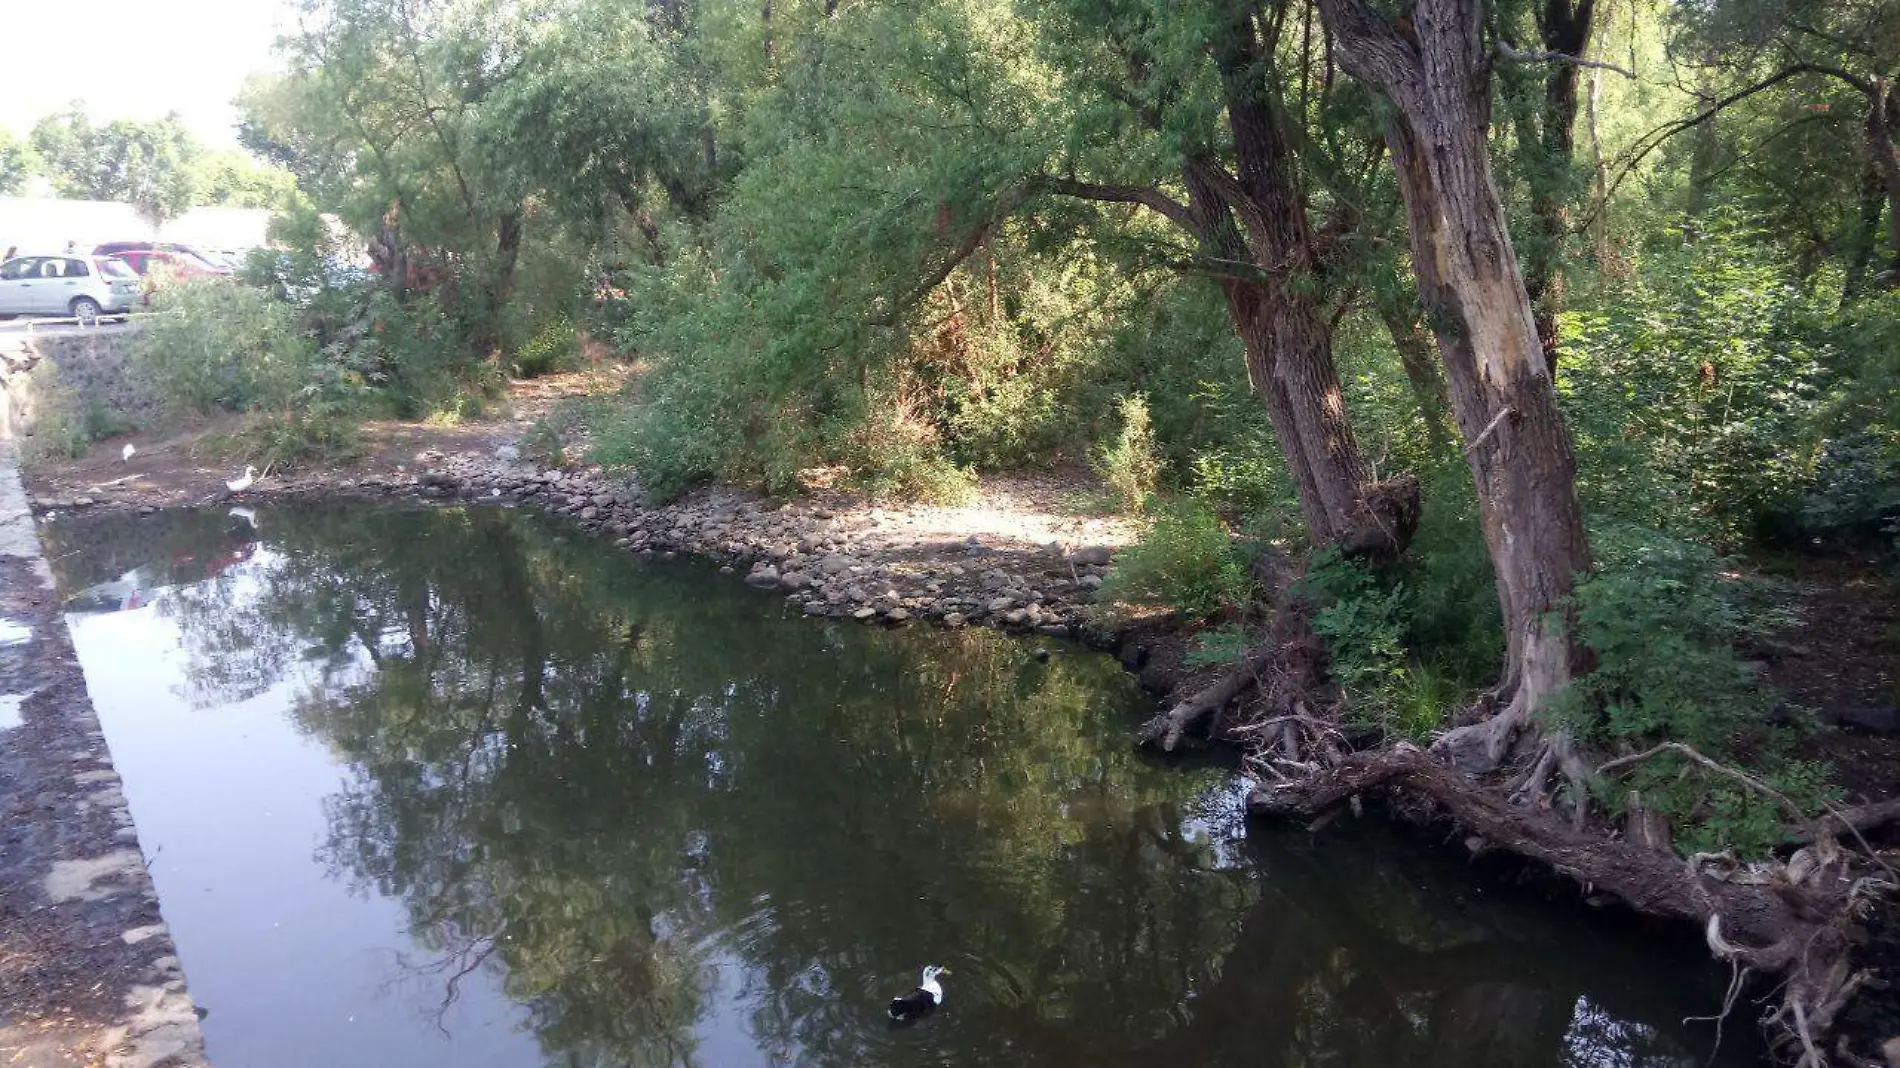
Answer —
459 788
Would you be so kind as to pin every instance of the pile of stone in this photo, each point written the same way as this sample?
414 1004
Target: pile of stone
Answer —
842 561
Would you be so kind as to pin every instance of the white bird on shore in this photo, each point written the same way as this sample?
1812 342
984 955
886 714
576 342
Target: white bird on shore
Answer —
125 454
242 482
922 1001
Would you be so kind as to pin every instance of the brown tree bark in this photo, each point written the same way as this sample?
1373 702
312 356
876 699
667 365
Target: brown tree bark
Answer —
1503 398
1564 27
1886 158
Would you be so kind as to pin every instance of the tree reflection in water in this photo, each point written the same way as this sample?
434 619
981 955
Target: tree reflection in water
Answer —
633 791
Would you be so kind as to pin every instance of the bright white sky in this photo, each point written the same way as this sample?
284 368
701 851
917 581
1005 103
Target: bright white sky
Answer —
136 59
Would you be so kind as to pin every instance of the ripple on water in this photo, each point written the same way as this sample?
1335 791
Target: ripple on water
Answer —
12 633
10 710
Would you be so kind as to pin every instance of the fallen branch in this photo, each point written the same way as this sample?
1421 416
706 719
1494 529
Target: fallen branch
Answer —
1754 920
1801 816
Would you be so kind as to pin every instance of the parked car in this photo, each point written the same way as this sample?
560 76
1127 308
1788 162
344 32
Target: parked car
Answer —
170 264
198 260
84 287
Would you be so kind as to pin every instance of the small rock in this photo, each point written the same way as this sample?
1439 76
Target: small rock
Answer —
864 613
814 608
897 615
1091 582
1091 555
954 619
1001 604
765 578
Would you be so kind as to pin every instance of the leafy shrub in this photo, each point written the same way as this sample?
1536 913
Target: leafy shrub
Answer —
556 346
1185 561
1364 622
1662 627
216 346
1221 646
289 440
1129 464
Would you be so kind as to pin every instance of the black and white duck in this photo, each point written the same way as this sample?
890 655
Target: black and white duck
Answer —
922 1001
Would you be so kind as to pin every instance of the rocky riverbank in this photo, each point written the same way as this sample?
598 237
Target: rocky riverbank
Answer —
1016 560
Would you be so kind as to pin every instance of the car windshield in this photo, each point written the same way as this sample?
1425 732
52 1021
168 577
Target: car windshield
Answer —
112 268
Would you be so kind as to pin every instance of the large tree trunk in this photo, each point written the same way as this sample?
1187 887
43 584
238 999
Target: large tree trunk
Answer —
1287 335
1502 394
1565 28
1865 242
1886 158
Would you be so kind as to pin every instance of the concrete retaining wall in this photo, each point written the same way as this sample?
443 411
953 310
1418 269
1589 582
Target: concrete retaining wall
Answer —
71 381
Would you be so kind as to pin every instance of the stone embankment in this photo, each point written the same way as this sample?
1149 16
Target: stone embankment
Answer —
837 557
89 976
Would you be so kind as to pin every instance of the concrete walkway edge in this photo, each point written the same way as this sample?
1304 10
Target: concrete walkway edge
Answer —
88 972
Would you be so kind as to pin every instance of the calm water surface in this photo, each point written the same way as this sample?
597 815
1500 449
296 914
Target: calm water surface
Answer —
444 788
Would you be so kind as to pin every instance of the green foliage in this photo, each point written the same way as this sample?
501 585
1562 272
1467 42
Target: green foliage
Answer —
18 162
1364 622
1662 623
1128 463
1186 561
1224 645
59 427
284 441
212 345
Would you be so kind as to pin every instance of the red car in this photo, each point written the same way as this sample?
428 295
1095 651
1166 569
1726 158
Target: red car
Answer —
170 263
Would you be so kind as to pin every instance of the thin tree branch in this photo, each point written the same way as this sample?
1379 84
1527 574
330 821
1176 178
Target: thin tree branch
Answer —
1518 56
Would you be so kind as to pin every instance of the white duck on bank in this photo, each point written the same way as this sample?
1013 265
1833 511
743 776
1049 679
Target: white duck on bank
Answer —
922 1001
243 481
125 454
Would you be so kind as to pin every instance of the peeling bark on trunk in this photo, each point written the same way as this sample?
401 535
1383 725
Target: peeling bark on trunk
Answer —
1503 398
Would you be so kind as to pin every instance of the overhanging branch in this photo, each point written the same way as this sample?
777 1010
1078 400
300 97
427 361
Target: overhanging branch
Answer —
1147 196
1519 56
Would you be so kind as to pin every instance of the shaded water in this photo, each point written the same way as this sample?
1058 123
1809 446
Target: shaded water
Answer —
453 788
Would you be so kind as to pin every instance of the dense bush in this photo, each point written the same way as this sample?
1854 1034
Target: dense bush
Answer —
1129 463
1662 624
212 346
1186 561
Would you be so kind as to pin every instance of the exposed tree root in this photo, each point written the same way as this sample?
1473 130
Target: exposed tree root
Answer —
1791 920
1497 780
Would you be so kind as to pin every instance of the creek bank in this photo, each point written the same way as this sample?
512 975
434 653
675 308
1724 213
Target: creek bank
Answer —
830 555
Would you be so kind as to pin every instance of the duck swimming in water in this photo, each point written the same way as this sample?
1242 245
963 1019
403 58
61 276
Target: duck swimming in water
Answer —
922 1001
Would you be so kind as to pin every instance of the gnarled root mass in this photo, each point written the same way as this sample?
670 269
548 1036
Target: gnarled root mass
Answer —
1795 921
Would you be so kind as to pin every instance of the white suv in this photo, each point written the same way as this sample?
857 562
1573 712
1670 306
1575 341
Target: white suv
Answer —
83 287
